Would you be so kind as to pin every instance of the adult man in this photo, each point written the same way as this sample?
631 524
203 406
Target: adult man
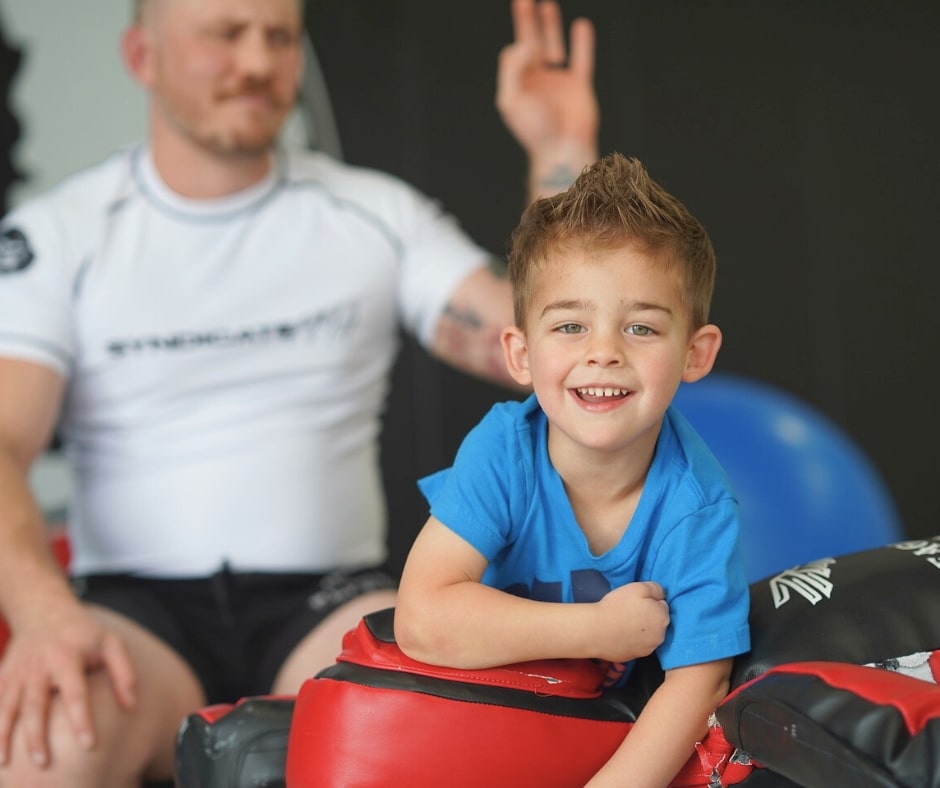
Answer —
213 321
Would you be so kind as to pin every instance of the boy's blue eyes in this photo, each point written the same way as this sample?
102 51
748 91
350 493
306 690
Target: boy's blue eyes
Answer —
637 330
640 331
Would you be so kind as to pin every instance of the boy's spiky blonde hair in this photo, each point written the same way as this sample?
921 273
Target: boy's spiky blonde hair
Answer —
613 203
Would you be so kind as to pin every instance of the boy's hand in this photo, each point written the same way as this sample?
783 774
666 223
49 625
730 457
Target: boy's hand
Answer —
633 621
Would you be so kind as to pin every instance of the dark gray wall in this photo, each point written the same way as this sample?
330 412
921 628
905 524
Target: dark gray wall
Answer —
803 134
10 58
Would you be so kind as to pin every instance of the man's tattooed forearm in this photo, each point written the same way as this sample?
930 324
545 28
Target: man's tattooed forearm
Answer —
560 178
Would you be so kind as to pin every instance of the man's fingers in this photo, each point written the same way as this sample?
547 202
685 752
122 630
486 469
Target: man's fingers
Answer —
524 24
538 29
34 714
9 710
551 33
121 670
73 692
512 63
581 58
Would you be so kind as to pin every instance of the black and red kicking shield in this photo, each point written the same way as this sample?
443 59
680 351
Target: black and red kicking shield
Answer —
827 724
237 745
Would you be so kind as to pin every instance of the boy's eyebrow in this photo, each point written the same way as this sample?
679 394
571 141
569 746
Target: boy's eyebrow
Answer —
646 306
582 305
567 304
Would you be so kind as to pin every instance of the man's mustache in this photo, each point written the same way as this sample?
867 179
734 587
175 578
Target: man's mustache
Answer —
253 90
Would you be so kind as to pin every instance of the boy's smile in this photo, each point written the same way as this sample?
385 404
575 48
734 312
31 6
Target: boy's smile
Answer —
601 394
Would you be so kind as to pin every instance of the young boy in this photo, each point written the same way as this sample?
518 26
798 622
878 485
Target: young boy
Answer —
594 492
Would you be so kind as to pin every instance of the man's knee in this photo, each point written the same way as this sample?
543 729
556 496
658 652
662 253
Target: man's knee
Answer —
130 744
69 763
319 649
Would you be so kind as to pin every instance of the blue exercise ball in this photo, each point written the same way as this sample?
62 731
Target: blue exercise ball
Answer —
806 490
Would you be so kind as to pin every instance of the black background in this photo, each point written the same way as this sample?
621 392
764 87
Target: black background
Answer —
803 133
804 136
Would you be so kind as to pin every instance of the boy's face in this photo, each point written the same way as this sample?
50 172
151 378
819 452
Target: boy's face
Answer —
606 343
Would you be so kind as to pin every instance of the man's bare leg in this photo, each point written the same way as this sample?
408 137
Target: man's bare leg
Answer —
320 648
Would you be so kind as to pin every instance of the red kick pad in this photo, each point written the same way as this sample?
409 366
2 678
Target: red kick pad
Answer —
377 718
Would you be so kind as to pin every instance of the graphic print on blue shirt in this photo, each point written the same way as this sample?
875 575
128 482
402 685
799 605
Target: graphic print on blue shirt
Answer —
587 585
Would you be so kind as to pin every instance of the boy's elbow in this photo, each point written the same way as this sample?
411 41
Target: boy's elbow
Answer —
412 634
406 634
719 686
707 683
419 639
722 688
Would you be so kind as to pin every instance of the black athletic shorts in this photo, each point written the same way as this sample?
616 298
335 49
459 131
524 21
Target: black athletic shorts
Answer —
234 629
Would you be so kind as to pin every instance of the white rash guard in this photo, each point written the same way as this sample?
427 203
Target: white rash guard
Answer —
227 360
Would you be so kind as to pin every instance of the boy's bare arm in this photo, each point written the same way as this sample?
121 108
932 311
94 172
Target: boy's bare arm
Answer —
445 616
664 736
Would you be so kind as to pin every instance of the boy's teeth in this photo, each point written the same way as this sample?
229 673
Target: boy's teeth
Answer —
599 392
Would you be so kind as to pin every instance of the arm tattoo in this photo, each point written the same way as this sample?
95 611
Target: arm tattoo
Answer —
560 178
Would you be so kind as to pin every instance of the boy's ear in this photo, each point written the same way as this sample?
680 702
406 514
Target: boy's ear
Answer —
703 350
516 353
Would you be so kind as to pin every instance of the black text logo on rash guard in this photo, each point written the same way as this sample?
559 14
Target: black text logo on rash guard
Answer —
334 322
15 254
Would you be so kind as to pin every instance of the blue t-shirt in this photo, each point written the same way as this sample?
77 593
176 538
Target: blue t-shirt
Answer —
504 497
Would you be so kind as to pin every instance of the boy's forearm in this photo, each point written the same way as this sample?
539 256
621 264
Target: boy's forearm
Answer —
495 628
665 733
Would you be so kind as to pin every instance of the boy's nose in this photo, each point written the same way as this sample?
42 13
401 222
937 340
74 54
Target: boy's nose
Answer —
605 351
